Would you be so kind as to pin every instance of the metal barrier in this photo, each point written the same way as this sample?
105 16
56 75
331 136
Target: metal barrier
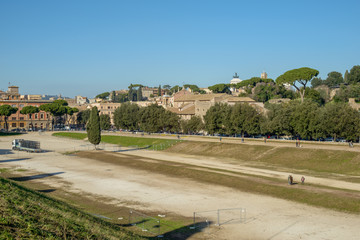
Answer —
220 216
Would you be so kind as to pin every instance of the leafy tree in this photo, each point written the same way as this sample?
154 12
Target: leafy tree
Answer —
6 111
105 123
56 109
159 91
170 122
175 89
139 94
252 82
217 118
317 82
193 88
354 75
277 121
70 112
314 95
29 110
334 79
83 116
151 118
167 88
301 76
340 120
131 93
244 119
304 120
220 88
103 95
113 96
346 92
127 116
194 125
93 127
346 77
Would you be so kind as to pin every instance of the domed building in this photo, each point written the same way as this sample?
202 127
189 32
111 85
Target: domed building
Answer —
235 79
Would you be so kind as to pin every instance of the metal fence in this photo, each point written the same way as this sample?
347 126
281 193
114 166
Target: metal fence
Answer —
145 223
219 217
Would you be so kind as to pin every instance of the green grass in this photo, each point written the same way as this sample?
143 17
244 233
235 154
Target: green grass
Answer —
26 214
9 133
301 159
152 143
80 136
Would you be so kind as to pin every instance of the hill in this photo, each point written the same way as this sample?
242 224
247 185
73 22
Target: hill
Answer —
26 214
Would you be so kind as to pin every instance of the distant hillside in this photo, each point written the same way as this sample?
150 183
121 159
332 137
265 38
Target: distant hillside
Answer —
26 214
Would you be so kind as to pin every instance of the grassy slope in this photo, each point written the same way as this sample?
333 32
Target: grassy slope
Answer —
26 214
316 160
122 140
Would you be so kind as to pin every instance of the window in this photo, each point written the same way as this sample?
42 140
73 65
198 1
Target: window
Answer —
21 124
13 118
13 125
21 118
21 105
36 115
41 115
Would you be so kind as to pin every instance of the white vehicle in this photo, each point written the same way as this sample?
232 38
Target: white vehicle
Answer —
26 145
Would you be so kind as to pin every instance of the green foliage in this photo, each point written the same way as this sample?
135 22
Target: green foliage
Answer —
6 111
29 110
103 95
26 214
301 76
216 118
105 123
175 89
346 92
83 116
317 82
193 88
139 94
252 82
79 136
265 91
93 127
159 91
346 77
220 88
334 79
314 95
340 120
354 75
155 118
194 125
127 116
244 119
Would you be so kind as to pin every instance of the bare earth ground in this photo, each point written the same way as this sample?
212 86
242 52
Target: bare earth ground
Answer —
267 217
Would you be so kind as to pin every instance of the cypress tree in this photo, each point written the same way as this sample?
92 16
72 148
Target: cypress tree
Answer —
139 94
346 76
93 127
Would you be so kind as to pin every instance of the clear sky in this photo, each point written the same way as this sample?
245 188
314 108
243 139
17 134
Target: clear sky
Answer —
87 47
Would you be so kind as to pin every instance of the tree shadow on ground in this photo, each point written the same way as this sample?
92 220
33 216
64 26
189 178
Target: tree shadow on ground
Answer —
14 160
133 149
38 176
6 151
181 233
47 190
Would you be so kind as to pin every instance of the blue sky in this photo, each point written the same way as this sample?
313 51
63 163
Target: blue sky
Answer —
89 47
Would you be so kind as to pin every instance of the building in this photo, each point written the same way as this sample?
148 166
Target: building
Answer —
41 120
107 108
264 75
235 79
80 100
188 105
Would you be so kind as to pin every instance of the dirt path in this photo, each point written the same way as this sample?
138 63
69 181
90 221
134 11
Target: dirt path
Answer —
267 217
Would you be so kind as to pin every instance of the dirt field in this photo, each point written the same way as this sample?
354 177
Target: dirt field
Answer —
267 217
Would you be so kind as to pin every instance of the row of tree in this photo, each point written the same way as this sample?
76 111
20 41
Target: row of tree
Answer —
306 120
56 109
